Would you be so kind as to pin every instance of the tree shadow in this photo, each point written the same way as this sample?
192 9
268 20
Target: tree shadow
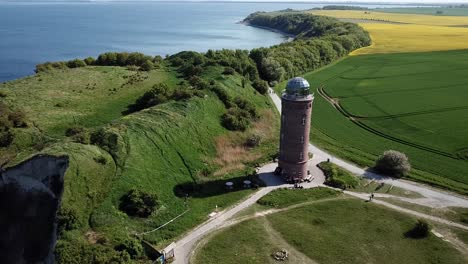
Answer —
215 187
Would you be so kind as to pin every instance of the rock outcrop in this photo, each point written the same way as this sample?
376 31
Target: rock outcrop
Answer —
30 195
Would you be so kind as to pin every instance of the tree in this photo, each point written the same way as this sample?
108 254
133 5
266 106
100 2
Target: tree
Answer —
132 246
271 70
261 86
393 163
147 66
139 203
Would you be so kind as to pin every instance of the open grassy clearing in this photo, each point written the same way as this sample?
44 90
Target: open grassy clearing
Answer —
88 96
396 33
411 102
336 231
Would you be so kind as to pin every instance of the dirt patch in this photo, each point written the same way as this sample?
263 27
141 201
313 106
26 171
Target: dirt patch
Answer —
231 152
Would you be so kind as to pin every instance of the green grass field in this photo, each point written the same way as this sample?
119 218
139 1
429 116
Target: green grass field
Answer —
334 231
412 102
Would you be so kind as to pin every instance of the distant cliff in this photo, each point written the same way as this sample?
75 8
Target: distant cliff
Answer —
30 195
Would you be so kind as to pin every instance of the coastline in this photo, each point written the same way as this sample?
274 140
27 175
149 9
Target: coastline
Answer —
290 37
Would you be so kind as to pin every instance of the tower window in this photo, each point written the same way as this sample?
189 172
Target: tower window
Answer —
302 139
301 155
303 120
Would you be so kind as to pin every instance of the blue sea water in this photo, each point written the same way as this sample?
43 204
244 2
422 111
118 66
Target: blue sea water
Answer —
32 33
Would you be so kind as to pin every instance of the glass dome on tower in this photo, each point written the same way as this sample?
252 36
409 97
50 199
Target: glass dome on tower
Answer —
298 86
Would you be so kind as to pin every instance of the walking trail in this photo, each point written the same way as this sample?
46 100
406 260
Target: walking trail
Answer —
431 197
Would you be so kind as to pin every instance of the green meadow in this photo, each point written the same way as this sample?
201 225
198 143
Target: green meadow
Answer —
410 102
330 229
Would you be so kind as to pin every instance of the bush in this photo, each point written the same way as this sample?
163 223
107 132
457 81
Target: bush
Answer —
253 141
147 66
78 134
261 86
229 71
90 61
67 219
77 252
236 119
76 63
3 94
138 203
338 177
393 163
420 230
132 246
6 138
101 160
18 119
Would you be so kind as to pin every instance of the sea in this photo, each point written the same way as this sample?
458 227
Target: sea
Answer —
35 32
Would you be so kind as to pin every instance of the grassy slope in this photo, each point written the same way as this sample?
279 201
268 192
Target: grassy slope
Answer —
336 231
158 148
334 132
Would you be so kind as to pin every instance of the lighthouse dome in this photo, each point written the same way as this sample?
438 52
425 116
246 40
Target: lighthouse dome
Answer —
297 85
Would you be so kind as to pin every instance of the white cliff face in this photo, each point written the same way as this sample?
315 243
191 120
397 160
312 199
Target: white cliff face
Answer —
30 195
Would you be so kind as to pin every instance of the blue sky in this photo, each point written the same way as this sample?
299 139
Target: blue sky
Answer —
311 1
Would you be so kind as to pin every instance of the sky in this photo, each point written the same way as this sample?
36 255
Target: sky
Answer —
311 1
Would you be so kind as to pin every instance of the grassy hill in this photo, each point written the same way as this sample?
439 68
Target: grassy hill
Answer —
411 102
155 150
327 229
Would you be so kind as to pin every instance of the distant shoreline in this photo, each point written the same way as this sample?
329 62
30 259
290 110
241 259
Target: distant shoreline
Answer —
290 37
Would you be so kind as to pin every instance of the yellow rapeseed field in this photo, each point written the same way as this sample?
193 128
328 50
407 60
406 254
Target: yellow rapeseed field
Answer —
419 33
399 18
391 38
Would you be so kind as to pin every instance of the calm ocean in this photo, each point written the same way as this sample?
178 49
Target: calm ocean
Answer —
31 33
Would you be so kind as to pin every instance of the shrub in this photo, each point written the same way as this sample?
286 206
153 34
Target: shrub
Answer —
147 66
253 141
90 61
6 138
420 230
76 63
236 119
393 163
138 203
101 160
337 177
77 252
229 71
261 86
3 94
67 219
106 140
18 119
78 134
132 246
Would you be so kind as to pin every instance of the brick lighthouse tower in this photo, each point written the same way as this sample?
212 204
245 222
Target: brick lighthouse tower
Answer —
296 111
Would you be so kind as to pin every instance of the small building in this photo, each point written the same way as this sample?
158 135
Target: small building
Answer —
296 112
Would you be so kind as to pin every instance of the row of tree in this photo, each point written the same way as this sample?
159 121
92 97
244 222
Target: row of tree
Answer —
144 62
319 41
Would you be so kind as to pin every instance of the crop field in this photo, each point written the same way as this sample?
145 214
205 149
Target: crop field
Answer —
439 11
329 231
411 102
396 18
396 33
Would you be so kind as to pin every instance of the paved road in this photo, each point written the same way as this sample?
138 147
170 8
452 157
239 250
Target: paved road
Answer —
432 197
